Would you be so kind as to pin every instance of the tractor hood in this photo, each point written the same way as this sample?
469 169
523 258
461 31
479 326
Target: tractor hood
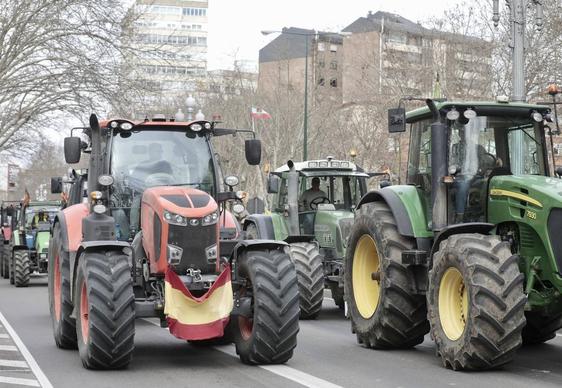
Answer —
185 202
537 191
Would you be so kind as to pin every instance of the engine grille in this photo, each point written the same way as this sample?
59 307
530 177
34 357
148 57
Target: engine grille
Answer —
193 240
554 230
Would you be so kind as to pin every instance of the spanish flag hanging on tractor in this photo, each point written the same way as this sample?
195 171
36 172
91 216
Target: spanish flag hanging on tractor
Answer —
198 318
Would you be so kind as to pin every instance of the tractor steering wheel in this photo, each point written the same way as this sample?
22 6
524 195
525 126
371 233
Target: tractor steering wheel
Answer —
318 200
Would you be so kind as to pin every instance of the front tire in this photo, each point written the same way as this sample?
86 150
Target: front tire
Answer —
21 268
270 334
105 311
476 302
540 328
60 302
385 313
310 276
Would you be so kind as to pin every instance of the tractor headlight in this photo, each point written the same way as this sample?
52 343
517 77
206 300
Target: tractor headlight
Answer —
210 219
238 208
174 254
211 253
174 219
99 209
196 127
536 116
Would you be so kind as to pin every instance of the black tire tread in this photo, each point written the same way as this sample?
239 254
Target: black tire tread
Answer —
276 308
22 265
310 275
400 320
111 313
540 328
496 312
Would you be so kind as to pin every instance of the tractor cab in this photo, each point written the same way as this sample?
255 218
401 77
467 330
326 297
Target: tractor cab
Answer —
327 189
480 141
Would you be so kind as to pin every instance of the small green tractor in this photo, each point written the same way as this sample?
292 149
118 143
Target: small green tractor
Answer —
470 249
30 240
316 224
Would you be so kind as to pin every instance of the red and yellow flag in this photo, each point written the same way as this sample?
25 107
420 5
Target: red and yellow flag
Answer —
192 318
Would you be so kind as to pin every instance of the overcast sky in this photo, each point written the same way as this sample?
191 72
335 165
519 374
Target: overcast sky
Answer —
235 25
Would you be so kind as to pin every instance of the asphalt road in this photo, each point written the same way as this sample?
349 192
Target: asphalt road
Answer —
327 356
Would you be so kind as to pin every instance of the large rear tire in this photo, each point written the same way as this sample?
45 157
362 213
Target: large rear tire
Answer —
105 311
60 302
476 302
22 270
11 266
310 276
540 328
385 313
270 334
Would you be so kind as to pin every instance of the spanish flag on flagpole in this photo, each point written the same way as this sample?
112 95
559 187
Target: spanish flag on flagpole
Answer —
198 318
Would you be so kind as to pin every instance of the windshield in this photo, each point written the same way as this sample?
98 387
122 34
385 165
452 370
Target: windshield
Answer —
343 192
162 158
35 215
481 144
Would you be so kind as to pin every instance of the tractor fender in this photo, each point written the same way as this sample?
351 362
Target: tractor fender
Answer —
249 245
94 246
396 206
70 220
469 227
264 225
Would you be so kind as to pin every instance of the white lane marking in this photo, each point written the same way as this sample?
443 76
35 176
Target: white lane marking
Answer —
280 370
4 336
18 381
45 383
286 372
8 348
13 364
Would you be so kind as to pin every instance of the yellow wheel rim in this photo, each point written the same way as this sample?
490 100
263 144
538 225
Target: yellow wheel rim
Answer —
453 304
365 289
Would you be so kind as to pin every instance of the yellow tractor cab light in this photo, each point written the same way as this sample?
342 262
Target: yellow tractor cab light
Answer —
448 179
502 99
313 164
96 195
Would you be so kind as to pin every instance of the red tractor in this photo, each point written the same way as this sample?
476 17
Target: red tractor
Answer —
9 212
155 239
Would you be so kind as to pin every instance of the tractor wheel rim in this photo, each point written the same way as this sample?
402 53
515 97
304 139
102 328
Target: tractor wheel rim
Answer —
453 304
84 315
366 290
57 289
246 324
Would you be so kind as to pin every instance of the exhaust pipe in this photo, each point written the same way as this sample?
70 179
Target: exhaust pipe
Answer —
292 199
439 168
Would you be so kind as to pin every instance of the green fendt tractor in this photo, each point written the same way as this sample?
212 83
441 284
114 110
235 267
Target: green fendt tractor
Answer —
315 223
471 248
30 241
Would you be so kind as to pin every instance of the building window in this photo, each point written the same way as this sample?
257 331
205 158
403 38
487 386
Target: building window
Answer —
397 37
321 82
333 65
321 46
321 64
334 82
333 48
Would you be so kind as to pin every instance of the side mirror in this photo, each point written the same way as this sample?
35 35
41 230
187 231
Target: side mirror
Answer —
56 185
396 120
559 172
72 149
252 148
273 184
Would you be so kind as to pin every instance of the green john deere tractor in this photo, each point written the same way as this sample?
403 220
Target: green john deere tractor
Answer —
470 249
315 223
30 241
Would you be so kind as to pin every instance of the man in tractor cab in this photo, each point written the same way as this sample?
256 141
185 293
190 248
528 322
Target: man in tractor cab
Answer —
154 165
308 196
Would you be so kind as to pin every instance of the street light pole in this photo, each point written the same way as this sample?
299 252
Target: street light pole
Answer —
305 122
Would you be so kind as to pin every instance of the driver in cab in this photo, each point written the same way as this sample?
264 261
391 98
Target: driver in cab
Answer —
308 196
